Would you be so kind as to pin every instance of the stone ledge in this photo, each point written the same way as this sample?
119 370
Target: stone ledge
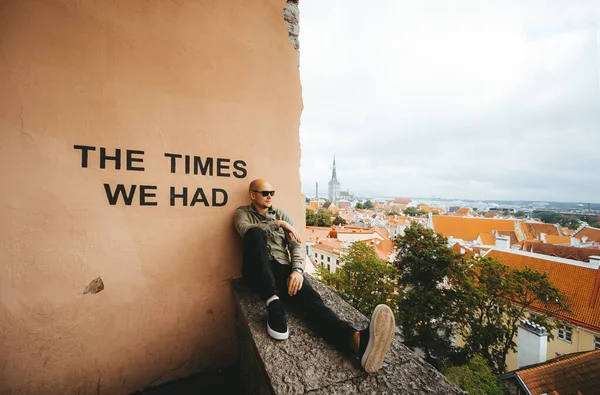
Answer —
306 364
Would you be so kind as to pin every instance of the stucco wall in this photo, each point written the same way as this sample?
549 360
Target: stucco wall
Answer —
212 79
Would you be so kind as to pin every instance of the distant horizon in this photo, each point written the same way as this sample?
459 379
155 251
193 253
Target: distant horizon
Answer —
312 195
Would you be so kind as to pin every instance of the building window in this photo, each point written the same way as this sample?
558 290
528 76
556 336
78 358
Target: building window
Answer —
328 259
565 333
316 255
321 256
328 267
596 343
337 262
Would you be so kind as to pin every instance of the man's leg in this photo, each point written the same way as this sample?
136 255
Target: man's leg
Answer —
371 344
256 268
258 274
320 317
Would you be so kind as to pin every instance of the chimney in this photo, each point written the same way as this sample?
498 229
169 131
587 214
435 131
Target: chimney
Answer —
503 242
533 343
594 262
543 237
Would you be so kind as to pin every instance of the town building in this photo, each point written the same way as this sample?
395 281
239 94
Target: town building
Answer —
579 329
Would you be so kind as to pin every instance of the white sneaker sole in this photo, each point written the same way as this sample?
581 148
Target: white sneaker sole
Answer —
381 334
277 335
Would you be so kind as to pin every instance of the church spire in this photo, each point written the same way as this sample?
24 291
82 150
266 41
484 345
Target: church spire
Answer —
333 174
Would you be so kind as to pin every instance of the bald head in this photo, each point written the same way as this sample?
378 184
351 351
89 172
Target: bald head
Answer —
256 189
259 185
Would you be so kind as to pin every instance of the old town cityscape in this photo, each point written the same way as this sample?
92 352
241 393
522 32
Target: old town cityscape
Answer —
561 241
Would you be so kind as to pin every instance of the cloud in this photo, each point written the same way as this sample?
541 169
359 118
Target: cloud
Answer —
464 99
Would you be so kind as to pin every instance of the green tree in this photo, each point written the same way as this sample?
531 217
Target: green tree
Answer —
494 299
324 217
551 217
520 214
427 270
339 220
476 378
411 211
392 213
359 206
311 217
363 280
368 205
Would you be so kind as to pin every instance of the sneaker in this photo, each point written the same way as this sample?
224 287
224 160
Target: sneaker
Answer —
276 322
376 339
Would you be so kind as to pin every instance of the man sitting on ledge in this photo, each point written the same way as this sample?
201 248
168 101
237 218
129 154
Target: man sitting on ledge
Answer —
273 267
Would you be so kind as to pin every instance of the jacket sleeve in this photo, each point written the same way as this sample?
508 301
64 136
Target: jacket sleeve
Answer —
243 223
295 248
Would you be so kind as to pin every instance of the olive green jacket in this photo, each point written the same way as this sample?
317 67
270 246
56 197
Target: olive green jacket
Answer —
280 248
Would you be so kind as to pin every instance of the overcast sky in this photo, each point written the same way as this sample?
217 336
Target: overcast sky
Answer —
452 99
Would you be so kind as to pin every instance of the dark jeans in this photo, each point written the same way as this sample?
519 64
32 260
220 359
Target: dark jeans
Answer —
269 278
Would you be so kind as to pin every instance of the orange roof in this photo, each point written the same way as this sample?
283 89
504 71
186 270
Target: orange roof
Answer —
561 251
491 214
383 232
464 211
462 250
383 248
487 239
551 239
332 246
592 234
577 373
575 282
430 209
468 228
566 231
534 229
400 201
312 234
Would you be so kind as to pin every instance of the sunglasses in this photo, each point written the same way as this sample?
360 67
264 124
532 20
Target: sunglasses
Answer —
265 193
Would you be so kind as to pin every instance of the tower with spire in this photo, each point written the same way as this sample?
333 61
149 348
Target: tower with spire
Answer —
334 185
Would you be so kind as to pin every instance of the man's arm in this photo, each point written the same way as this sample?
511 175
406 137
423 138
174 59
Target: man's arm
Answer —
294 246
242 222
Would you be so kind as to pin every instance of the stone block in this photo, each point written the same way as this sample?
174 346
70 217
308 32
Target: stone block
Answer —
305 363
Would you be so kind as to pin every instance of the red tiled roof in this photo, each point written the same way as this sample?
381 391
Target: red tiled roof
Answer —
462 250
383 232
552 239
577 373
315 233
332 246
567 252
464 211
383 248
467 228
575 282
533 230
491 214
487 239
592 234
430 209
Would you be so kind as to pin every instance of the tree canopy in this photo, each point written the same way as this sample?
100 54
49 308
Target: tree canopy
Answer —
427 269
475 377
480 298
323 217
363 280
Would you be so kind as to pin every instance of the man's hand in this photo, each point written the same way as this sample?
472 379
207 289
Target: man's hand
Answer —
294 282
290 231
